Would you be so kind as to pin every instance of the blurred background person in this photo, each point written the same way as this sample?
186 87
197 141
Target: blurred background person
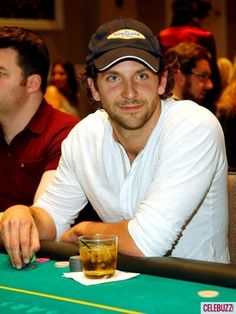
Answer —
234 69
187 18
63 89
193 78
226 71
186 26
31 131
226 113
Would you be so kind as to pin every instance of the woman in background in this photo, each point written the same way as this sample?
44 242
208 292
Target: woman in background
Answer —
226 71
63 89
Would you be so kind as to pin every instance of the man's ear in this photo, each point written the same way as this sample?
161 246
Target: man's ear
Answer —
180 80
180 77
33 83
162 83
94 91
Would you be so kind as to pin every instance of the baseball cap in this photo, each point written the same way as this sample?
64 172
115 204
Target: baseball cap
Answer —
124 38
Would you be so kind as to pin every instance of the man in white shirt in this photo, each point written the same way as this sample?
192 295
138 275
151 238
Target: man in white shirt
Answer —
154 169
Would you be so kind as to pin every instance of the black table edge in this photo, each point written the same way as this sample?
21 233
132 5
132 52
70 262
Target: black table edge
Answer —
212 273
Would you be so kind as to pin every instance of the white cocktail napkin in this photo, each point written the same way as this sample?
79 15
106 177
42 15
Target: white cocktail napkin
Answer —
119 275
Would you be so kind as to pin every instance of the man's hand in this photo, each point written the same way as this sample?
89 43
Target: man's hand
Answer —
19 234
73 233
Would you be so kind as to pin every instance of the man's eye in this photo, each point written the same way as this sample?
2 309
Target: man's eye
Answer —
112 78
2 74
142 76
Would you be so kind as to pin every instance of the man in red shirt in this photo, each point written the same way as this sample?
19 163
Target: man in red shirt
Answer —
31 131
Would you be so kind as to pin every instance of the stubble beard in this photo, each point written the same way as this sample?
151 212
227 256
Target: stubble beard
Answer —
12 103
186 94
133 120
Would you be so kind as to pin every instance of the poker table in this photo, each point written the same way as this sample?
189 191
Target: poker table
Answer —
165 285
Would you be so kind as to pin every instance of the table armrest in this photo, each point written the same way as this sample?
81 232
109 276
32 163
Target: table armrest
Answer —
179 268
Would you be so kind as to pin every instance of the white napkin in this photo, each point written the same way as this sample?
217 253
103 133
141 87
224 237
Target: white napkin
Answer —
119 275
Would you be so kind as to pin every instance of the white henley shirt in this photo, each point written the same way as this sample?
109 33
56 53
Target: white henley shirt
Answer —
174 194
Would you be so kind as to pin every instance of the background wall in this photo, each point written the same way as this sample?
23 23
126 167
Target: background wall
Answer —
82 17
230 28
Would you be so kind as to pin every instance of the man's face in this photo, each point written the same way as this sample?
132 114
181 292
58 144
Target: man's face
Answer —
12 82
198 82
129 93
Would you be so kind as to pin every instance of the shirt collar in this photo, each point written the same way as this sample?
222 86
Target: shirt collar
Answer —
38 120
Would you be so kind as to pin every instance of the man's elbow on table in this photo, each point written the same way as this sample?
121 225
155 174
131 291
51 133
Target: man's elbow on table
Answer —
127 245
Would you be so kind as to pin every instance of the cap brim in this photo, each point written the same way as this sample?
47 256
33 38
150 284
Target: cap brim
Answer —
111 57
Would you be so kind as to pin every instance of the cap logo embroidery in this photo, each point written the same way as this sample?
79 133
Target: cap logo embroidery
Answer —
126 34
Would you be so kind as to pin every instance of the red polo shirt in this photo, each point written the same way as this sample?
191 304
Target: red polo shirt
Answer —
33 151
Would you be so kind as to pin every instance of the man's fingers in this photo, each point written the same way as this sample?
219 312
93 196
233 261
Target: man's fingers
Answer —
6 240
19 234
9 230
24 239
16 236
34 243
70 236
20 242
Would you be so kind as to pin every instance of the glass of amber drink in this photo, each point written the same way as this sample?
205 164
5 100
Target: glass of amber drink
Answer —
98 255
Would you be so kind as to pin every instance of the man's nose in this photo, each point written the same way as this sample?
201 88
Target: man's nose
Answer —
209 84
129 89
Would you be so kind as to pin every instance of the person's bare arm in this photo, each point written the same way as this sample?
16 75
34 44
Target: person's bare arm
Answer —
21 229
126 244
46 178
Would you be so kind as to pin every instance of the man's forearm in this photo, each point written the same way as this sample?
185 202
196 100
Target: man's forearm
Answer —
44 222
126 243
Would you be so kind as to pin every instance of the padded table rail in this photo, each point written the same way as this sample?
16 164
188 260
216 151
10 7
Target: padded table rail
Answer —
180 268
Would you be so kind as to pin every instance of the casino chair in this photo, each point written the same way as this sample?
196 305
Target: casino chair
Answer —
232 215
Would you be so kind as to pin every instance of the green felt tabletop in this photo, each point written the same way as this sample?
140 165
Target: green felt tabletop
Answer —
43 289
